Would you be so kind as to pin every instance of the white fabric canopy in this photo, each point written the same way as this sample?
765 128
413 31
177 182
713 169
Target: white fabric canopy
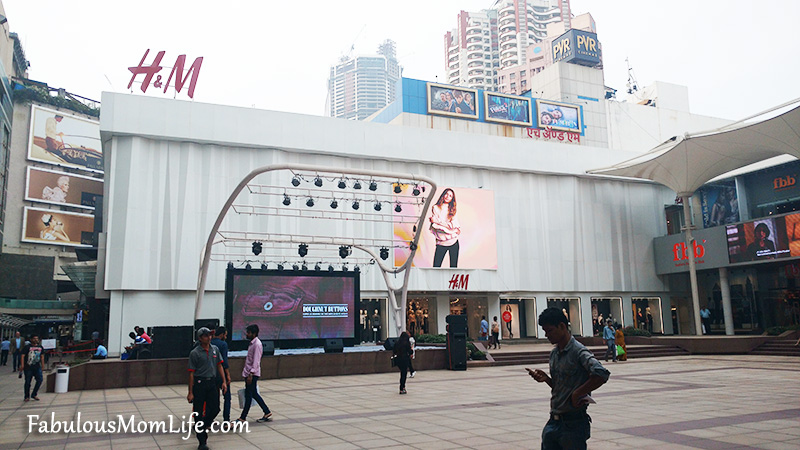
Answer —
684 163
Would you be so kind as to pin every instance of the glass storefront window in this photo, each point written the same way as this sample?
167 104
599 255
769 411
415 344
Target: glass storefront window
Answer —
519 311
372 312
647 314
571 307
604 308
474 308
417 316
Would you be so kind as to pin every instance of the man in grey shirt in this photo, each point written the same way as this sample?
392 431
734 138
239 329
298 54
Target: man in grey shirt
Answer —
205 364
574 374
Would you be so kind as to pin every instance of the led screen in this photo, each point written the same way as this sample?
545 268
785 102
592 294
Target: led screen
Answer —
764 239
292 306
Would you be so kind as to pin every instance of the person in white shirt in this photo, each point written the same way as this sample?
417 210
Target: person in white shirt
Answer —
445 228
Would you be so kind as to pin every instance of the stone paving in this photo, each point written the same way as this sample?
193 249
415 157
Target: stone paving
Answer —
705 402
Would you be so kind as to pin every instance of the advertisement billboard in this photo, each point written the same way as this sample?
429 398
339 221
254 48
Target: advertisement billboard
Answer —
558 116
61 188
458 232
292 307
47 226
764 239
452 101
64 140
720 205
510 109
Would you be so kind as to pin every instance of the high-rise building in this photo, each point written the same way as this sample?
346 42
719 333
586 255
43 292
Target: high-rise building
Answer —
361 85
485 41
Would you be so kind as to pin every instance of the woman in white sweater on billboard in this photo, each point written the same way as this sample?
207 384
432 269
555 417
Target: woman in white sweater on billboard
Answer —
445 228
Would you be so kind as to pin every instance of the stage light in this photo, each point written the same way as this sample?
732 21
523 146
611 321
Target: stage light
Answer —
398 208
230 265
304 267
373 186
416 190
302 250
357 270
280 266
334 204
264 266
310 202
256 248
318 182
317 267
377 206
248 266
295 181
355 204
344 268
295 267
357 185
342 184
384 253
286 200
397 188
345 251
330 268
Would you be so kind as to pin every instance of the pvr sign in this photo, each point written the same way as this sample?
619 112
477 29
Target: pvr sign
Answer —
577 47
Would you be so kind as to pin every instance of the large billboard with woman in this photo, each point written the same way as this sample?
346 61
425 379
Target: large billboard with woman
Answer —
458 232
47 226
61 188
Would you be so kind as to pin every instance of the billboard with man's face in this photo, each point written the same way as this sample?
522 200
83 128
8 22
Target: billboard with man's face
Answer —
510 109
458 231
452 101
65 140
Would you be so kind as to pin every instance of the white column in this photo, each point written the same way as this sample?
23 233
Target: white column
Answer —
442 310
687 214
727 310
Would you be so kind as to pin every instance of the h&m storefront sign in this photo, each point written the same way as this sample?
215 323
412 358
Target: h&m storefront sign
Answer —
709 247
577 47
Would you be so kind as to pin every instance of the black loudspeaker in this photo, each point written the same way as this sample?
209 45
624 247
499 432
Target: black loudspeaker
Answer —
212 324
172 342
334 346
269 348
389 343
456 342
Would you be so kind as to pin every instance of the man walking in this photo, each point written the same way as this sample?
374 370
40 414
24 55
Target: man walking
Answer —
31 366
484 329
705 317
5 346
220 336
610 338
251 373
205 364
574 374
16 346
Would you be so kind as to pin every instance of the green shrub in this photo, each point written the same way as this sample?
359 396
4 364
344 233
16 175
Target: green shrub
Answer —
775 331
474 353
431 339
630 331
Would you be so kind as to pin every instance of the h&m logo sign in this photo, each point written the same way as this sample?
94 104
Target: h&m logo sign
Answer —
786 182
459 282
679 250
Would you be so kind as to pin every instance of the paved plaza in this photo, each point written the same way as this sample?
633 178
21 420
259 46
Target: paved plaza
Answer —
706 402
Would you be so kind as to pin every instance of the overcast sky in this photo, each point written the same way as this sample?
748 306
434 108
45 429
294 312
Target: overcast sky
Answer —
737 57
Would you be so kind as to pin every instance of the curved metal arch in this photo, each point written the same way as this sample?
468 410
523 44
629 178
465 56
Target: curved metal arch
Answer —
397 308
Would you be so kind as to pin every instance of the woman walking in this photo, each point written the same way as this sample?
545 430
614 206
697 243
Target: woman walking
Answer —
402 358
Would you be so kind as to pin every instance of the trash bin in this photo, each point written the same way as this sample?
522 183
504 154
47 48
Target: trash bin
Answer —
62 379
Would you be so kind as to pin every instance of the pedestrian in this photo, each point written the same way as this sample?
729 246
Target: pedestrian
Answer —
495 333
251 374
484 329
402 358
31 366
5 347
620 341
220 336
102 351
574 374
205 364
705 317
16 346
413 343
609 337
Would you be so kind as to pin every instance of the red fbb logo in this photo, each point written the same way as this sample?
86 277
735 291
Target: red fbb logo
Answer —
783 182
154 68
679 250
459 282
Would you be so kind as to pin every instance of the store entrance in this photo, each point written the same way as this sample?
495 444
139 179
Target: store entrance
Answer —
647 314
571 307
474 308
604 308
417 319
515 328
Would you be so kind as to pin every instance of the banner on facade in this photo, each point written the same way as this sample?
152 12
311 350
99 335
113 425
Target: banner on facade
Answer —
64 140
47 226
61 188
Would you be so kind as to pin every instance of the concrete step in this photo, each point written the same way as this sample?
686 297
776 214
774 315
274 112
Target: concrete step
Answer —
782 347
543 356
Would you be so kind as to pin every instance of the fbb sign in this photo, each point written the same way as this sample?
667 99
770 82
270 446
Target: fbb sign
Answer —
679 251
577 47
782 183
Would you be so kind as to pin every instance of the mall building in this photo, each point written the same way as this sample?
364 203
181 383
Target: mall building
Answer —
549 235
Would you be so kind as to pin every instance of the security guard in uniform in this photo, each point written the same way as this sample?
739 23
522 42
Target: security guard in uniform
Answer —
205 364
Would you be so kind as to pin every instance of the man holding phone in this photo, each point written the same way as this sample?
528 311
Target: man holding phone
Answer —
574 374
